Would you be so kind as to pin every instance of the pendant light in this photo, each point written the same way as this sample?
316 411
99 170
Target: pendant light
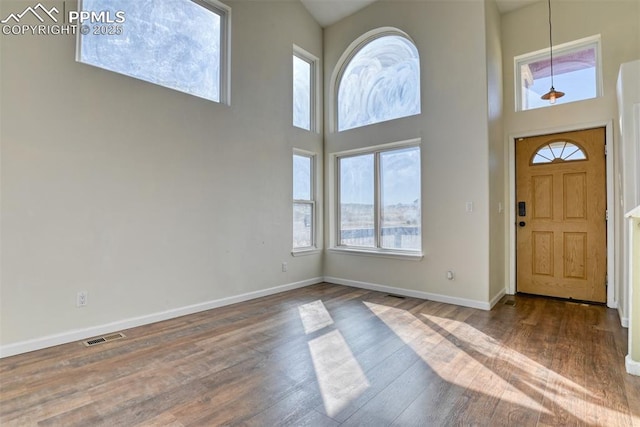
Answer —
553 94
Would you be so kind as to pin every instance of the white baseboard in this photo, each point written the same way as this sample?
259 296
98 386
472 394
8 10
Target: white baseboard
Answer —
497 298
81 334
633 366
411 293
624 321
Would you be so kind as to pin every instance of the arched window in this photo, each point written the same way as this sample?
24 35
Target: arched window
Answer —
559 151
380 81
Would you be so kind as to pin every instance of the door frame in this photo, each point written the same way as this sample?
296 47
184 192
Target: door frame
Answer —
611 206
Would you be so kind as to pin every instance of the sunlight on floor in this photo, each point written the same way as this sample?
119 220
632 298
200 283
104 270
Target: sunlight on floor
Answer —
423 340
339 374
482 358
340 377
559 392
523 382
458 353
314 316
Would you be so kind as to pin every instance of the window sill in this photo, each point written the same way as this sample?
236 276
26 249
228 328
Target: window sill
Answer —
410 256
305 252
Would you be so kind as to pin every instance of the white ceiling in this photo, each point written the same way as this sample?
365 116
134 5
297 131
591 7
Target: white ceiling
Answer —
328 12
505 6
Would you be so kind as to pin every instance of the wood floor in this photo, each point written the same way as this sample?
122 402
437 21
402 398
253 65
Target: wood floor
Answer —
329 355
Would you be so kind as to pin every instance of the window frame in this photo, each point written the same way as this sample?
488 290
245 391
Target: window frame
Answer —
561 158
344 60
558 50
334 200
314 89
224 85
311 202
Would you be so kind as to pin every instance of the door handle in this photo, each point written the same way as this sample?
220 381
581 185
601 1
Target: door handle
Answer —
522 223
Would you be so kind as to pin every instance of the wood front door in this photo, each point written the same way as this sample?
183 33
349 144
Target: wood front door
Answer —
561 215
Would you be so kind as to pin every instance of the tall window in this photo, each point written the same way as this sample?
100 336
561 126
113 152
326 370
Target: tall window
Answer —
304 206
379 200
380 82
304 89
576 72
181 44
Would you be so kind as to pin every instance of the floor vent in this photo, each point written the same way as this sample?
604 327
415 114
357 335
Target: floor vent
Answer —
510 302
396 296
106 338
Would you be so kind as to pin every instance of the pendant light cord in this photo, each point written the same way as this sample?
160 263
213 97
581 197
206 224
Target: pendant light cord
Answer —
550 45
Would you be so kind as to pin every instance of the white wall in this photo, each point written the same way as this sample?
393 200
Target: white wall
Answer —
455 149
525 30
497 153
628 95
147 198
628 157
632 360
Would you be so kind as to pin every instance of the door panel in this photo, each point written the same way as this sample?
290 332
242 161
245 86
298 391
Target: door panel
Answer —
575 255
575 197
561 238
542 196
542 258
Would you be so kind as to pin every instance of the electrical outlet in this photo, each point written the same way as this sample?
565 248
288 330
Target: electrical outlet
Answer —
284 267
450 275
82 298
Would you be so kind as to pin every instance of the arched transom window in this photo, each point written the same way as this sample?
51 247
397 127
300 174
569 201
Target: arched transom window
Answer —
380 82
559 151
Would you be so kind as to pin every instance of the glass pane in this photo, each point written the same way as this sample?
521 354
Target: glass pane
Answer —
174 43
558 151
539 159
400 199
574 73
381 82
301 177
557 148
356 201
578 154
545 153
301 93
302 225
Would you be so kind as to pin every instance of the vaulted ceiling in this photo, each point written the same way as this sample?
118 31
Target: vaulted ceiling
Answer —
328 12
